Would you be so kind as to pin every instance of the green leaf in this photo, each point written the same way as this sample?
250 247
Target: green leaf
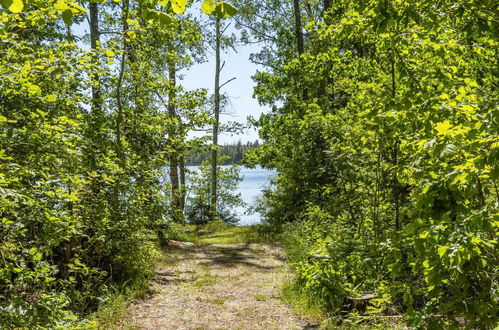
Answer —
442 249
423 235
443 128
152 14
224 10
51 98
33 89
14 6
67 17
444 96
462 178
407 297
395 268
228 10
61 5
6 3
208 6
164 19
178 6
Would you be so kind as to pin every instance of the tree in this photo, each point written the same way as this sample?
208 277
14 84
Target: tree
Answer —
372 159
220 11
83 144
216 110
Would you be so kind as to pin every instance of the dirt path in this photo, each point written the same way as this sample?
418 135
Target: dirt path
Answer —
218 287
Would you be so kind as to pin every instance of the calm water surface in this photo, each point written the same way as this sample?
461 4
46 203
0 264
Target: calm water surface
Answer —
254 180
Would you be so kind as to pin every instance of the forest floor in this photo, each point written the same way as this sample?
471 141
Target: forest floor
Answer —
203 285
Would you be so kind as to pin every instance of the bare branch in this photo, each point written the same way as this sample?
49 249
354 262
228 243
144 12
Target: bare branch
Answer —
225 28
163 102
110 32
225 83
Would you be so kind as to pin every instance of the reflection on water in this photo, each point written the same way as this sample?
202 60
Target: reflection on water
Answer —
254 180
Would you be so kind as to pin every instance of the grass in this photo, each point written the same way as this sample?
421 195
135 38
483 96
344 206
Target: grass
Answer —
113 311
221 233
207 280
219 301
261 297
301 302
309 307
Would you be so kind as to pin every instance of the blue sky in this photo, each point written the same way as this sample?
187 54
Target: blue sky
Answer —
240 90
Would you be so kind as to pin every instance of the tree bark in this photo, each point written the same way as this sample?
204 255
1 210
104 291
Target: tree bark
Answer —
119 101
174 180
182 184
214 152
94 41
396 184
299 39
298 27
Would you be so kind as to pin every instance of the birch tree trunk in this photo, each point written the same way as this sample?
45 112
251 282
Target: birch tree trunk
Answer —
214 152
174 180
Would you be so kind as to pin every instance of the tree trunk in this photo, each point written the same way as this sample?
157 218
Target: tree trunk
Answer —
173 132
298 27
182 184
94 40
96 116
299 39
119 101
214 156
396 184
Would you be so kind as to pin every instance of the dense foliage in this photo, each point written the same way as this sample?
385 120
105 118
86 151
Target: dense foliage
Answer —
383 131
84 138
384 134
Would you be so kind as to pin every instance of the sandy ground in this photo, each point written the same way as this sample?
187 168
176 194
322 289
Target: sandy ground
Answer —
218 287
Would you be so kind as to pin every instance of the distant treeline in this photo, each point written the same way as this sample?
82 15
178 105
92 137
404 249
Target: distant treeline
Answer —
230 153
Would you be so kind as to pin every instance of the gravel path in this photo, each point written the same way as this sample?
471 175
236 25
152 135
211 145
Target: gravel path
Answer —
218 287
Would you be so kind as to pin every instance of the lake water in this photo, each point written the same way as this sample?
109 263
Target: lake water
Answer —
254 180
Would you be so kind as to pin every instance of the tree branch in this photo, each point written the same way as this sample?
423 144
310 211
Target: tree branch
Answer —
225 83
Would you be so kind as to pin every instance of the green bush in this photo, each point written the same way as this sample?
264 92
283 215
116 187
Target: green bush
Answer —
384 137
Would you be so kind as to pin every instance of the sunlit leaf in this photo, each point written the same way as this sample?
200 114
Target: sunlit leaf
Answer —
14 6
61 5
443 128
178 6
208 6
442 249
